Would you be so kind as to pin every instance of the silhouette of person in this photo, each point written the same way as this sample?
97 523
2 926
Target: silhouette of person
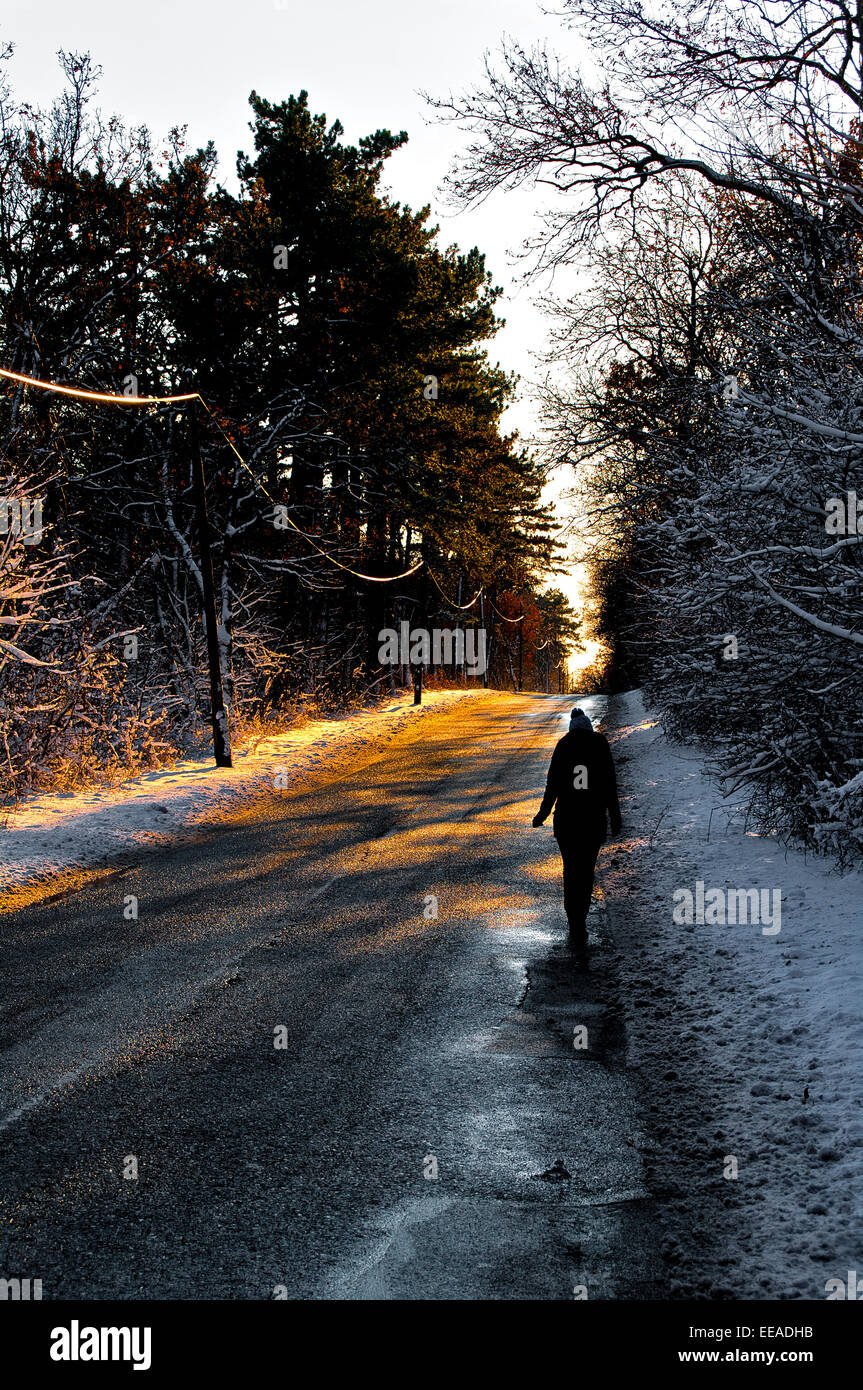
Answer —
582 788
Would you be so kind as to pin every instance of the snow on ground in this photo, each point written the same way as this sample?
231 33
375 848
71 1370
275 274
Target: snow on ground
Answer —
748 1043
48 836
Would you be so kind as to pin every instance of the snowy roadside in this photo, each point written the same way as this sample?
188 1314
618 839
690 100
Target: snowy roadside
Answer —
49 838
747 1040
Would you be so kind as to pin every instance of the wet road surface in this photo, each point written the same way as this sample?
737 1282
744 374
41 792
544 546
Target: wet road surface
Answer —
425 1127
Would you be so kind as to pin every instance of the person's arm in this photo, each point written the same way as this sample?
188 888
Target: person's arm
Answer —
551 790
611 800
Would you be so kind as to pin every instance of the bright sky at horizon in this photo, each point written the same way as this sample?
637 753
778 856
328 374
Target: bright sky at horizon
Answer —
195 63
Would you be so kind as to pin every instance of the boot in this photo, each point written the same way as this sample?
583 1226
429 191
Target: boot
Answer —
578 937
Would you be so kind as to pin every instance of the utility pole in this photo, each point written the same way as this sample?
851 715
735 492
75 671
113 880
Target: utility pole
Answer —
423 605
458 632
488 643
218 713
521 646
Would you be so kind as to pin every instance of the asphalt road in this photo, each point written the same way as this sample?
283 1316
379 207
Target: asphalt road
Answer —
425 1129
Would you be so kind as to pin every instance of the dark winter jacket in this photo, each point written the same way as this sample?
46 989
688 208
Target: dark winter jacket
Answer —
582 787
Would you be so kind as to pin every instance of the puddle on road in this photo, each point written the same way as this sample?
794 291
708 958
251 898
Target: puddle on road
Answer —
526 936
517 924
517 964
560 1009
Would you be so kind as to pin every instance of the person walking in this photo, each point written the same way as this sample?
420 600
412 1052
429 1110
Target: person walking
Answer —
582 788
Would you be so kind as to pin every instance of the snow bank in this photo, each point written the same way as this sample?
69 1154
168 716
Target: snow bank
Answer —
48 836
748 1043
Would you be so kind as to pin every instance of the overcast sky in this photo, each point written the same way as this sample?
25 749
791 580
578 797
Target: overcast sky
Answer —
194 63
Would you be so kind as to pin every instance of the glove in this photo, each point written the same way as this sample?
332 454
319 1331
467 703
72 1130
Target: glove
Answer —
537 821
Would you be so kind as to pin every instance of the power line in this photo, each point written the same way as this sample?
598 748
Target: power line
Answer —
97 395
503 618
105 397
460 607
113 399
369 578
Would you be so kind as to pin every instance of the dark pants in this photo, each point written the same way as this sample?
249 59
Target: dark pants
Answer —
579 861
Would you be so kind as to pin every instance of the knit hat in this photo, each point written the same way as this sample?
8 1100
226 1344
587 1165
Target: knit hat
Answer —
579 720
